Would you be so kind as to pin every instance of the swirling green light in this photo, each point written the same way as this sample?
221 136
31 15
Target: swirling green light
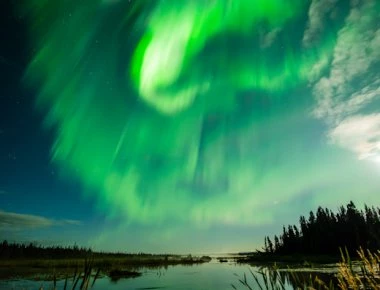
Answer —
155 142
166 53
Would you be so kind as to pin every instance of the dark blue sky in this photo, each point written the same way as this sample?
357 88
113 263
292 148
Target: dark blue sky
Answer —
29 183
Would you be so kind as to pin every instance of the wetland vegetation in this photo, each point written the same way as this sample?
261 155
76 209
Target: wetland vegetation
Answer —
320 253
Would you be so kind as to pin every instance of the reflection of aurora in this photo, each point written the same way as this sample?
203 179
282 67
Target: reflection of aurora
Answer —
167 110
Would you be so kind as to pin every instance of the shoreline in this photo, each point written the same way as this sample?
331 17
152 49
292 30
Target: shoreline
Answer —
53 267
289 260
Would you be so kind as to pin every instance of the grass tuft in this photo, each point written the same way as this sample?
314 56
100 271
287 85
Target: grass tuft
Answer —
364 274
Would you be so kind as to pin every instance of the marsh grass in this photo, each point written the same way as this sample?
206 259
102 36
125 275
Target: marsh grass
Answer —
82 273
361 274
364 276
271 278
104 262
81 279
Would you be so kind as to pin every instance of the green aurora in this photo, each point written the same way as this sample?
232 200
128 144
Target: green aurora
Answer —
207 112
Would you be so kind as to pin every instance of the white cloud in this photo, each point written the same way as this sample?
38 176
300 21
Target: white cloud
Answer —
353 83
318 11
318 68
357 100
268 38
17 221
70 222
360 134
355 52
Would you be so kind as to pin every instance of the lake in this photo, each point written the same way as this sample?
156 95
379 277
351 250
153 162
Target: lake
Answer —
208 276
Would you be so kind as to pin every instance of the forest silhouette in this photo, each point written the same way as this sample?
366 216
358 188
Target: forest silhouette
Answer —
35 251
325 232
322 233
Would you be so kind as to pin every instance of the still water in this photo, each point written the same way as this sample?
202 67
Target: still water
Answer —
209 276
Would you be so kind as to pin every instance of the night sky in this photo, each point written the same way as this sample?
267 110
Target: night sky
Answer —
184 126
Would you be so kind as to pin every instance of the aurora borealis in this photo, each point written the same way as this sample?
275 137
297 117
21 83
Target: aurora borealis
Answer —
185 119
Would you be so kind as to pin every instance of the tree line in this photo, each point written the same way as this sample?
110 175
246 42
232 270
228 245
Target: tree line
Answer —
324 232
32 250
35 251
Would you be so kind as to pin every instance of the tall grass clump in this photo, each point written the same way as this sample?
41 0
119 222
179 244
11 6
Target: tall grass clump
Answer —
81 279
270 278
366 275
361 274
